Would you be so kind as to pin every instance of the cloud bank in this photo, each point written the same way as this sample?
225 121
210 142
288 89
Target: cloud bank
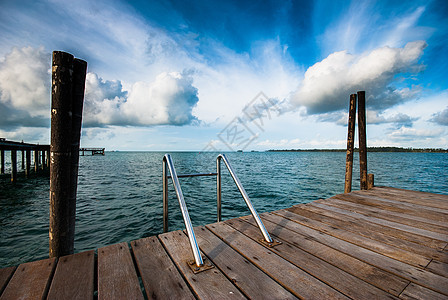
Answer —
168 100
25 81
441 118
326 85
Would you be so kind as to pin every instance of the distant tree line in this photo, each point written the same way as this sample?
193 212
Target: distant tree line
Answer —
369 149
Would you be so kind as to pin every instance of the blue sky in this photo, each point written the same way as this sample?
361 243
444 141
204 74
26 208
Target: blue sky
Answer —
227 75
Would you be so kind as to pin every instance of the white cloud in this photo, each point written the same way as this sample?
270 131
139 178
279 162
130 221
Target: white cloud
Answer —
405 133
168 100
327 84
25 87
441 117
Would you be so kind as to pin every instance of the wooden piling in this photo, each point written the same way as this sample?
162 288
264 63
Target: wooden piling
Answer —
13 166
61 242
23 159
28 163
2 155
43 160
79 79
370 181
362 139
48 159
350 144
36 160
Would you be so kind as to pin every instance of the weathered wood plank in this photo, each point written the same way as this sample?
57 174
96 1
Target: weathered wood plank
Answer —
403 210
209 284
74 277
342 207
5 276
417 194
30 280
374 245
414 274
366 229
340 280
251 281
291 277
117 277
416 197
159 274
371 274
438 267
402 216
415 291
332 211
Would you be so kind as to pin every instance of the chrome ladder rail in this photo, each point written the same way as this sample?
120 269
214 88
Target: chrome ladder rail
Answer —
246 198
168 164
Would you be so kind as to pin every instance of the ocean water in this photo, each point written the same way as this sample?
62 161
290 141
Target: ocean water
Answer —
120 194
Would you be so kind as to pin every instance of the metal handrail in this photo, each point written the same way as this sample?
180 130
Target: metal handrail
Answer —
168 164
246 198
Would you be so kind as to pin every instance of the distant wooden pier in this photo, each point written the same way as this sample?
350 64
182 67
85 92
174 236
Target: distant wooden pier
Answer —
41 156
93 151
382 243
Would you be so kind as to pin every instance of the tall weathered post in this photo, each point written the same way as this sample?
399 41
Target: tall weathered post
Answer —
2 155
23 159
68 83
36 160
350 144
79 80
48 159
61 242
43 160
362 139
13 166
28 162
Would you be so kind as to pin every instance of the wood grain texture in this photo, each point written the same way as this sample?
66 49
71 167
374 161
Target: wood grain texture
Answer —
74 277
31 280
414 291
368 230
117 277
338 279
366 242
365 225
340 206
253 282
5 276
371 274
210 284
411 273
293 278
160 277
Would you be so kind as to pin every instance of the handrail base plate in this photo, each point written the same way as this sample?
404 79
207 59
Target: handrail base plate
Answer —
206 266
270 245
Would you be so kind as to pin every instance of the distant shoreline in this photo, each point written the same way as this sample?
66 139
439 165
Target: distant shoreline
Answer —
370 149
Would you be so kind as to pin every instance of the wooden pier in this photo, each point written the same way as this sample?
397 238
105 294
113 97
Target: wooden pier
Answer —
93 151
41 156
372 244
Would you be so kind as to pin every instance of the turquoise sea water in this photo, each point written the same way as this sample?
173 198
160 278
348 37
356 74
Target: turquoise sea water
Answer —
120 194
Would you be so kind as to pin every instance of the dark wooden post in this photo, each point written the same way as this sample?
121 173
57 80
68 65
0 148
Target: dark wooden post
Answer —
370 181
48 159
43 160
61 243
36 160
350 144
13 166
79 80
28 162
2 154
23 159
362 139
